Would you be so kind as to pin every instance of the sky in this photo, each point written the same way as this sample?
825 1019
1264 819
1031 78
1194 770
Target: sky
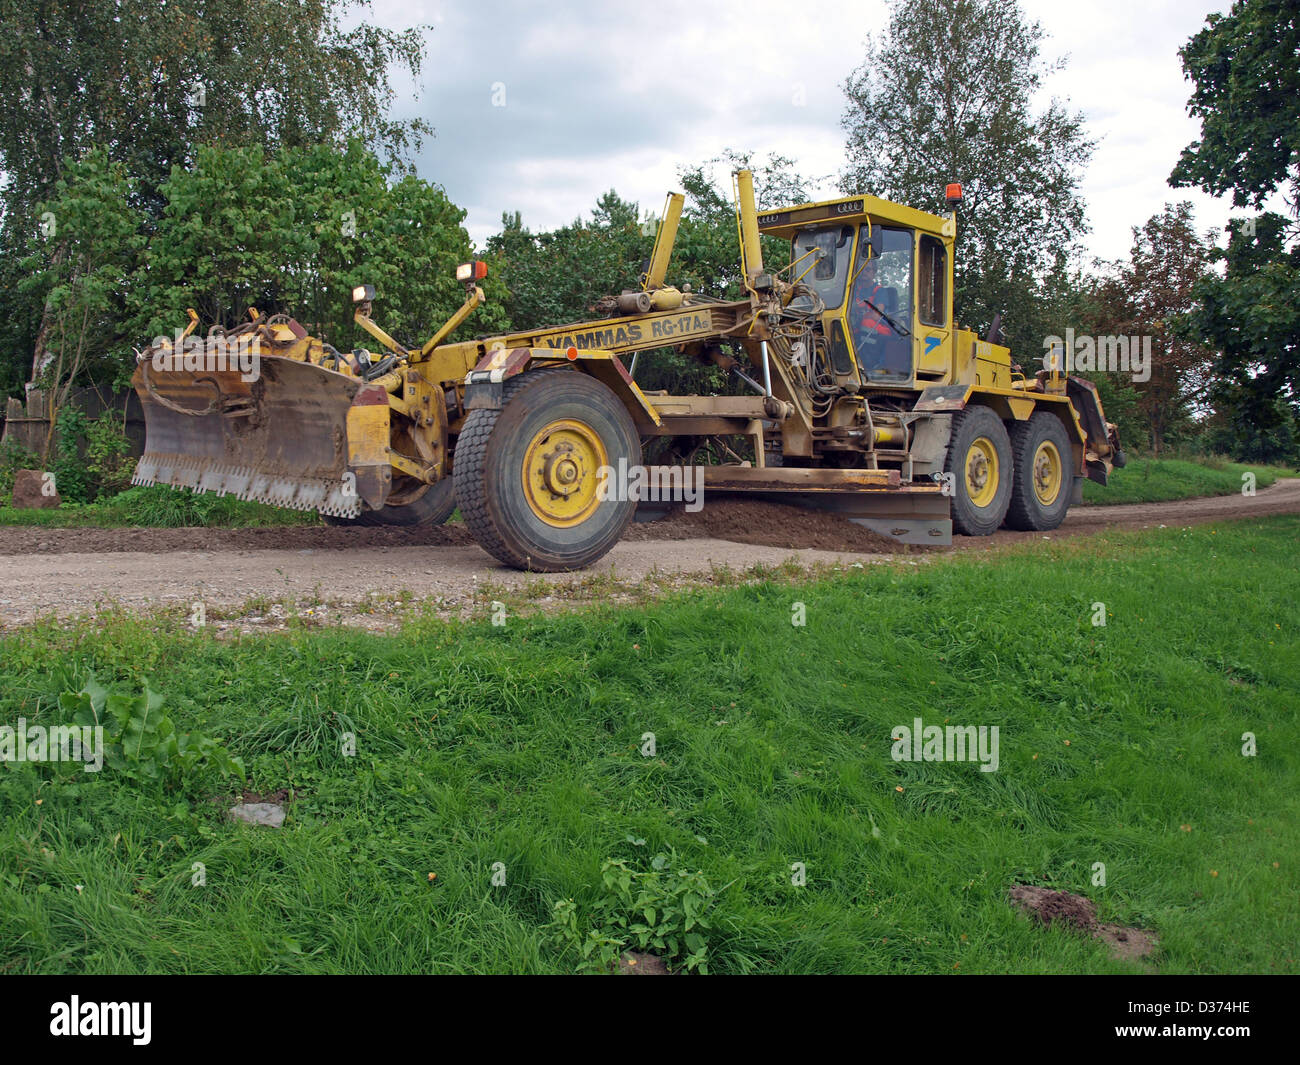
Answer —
541 107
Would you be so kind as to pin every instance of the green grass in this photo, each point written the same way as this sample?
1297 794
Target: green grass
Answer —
164 508
520 745
1156 480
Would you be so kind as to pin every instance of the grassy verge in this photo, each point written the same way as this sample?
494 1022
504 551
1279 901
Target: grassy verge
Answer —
160 508
1156 480
510 761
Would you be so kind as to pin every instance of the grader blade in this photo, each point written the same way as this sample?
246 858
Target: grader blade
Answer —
280 438
911 513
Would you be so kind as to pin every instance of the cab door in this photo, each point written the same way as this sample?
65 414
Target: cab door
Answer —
879 311
825 255
933 308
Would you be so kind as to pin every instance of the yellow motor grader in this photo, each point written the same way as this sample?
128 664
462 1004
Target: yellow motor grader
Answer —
864 396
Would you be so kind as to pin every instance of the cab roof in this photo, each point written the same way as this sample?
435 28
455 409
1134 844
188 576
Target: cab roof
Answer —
848 210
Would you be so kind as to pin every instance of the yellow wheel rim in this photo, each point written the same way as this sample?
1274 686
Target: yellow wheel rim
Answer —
561 472
982 472
1048 473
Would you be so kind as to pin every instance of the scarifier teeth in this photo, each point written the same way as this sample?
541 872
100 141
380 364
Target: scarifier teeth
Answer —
328 496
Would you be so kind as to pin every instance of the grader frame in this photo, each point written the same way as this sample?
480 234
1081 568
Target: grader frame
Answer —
908 425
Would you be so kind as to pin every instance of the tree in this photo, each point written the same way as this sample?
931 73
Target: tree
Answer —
147 81
1168 259
293 232
1145 296
1252 316
555 277
290 232
945 95
1097 303
85 283
707 255
1247 96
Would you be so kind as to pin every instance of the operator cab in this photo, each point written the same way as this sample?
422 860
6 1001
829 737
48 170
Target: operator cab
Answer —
883 275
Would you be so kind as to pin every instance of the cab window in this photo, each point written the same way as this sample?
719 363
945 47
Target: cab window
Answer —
931 280
832 250
880 313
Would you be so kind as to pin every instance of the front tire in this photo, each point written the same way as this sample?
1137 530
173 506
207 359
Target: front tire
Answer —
527 475
979 460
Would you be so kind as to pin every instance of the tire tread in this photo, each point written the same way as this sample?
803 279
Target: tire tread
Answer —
1024 512
470 472
953 465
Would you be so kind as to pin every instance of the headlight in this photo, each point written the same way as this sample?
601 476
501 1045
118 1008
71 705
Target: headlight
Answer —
475 271
363 293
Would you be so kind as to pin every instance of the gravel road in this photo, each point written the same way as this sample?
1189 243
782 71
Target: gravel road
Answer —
74 571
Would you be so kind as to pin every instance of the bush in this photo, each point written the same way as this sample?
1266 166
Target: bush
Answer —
71 478
108 456
13 457
141 742
662 910
92 459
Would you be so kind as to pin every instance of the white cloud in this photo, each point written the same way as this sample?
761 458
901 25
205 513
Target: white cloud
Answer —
1125 75
619 95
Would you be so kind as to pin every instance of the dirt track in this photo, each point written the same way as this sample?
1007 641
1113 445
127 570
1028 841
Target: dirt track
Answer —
70 571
